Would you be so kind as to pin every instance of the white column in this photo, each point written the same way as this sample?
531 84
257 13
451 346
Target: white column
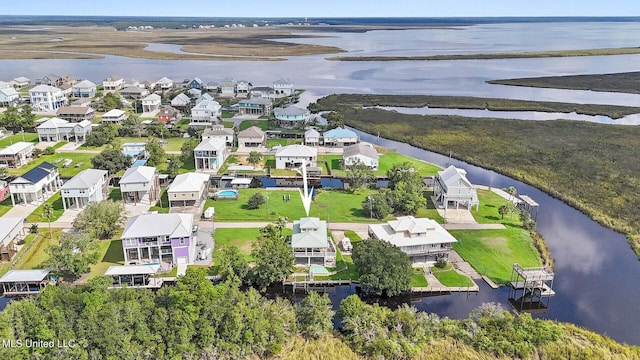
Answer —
13 202
64 203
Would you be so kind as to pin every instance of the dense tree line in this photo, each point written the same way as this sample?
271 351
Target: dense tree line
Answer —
199 320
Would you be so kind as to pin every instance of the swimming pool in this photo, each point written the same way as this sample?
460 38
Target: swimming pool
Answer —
229 194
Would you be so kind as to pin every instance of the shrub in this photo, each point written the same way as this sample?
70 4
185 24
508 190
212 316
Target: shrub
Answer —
441 263
255 201
49 150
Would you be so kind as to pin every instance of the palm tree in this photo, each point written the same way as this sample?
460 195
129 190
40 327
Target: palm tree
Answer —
280 224
47 212
511 190
502 210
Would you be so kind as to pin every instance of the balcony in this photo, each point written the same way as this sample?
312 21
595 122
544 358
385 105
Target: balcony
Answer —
427 251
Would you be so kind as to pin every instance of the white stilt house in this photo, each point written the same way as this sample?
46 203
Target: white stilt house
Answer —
451 186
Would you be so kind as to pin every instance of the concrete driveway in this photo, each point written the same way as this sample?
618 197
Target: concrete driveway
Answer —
205 241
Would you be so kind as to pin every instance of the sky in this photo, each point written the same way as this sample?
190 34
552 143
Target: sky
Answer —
326 8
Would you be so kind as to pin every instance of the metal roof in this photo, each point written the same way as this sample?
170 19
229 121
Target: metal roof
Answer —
16 148
339 133
132 270
188 182
151 225
7 224
297 151
85 179
17 276
360 149
138 174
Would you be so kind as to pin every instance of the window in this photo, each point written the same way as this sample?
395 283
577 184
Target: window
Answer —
182 241
130 242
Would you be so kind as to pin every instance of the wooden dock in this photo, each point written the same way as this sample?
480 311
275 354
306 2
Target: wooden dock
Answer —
444 289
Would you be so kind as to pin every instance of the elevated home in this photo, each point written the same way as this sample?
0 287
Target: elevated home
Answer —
151 103
251 137
52 80
11 231
263 91
76 114
220 132
243 87
67 80
134 92
55 130
291 116
283 87
168 115
361 154
227 87
194 93
140 184
46 98
113 83
159 238
312 137
196 83
36 184
205 113
209 155
181 101
189 189
148 84
292 156
139 276
114 116
311 243
20 82
421 239
90 185
17 155
24 282
132 82
255 106
164 84
452 186
212 86
66 90
86 102
9 97
339 137
83 89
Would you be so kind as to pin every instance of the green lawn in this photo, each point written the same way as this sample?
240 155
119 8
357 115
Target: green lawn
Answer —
262 124
226 114
58 210
84 159
488 209
387 161
36 255
338 205
162 207
173 143
449 277
493 252
5 205
352 236
115 194
27 240
28 137
430 211
284 142
418 279
110 254
241 238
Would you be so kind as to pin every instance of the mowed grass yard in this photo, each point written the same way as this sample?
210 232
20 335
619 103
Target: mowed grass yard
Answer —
418 279
337 205
27 240
36 254
385 163
84 159
110 254
5 205
493 252
12 139
58 210
487 212
448 276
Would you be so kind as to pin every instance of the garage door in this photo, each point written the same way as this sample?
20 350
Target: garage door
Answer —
182 260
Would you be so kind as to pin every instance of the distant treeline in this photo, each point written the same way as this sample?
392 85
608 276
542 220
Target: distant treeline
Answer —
122 22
